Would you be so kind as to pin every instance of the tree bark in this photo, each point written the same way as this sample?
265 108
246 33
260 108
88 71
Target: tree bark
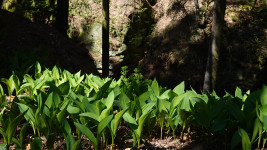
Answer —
105 38
216 45
62 14
197 10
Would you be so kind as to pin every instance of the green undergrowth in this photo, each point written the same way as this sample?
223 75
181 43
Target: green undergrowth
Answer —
55 103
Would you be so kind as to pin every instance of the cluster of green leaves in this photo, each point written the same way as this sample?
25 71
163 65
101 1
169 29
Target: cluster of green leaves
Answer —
40 11
56 103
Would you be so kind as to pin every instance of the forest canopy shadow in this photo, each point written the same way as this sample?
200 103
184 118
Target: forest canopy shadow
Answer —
23 43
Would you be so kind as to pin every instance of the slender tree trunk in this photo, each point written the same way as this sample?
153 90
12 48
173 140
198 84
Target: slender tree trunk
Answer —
62 15
197 10
216 44
105 38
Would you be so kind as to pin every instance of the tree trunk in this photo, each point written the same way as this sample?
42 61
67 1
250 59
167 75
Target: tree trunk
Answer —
216 45
197 10
105 38
62 15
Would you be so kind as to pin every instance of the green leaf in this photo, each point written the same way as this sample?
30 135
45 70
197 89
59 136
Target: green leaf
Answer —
61 114
124 100
236 112
53 100
246 144
148 107
36 143
257 127
264 118
69 141
16 83
29 115
90 115
179 89
38 70
263 96
3 146
236 138
141 122
22 132
103 89
155 87
88 133
117 120
12 126
165 95
103 124
73 110
161 107
109 100
238 93
66 127
91 107
77 145
64 88
130 121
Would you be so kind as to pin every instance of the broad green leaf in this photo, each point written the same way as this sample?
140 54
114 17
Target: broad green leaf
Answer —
236 112
38 70
161 107
77 145
148 107
155 87
264 118
29 115
236 139
16 83
73 110
22 132
38 84
29 79
91 107
176 101
109 100
61 114
117 120
10 85
3 146
130 121
36 143
124 100
238 93
165 95
64 88
246 144
66 127
263 96
88 133
179 89
103 89
69 142
256 129
141 122
12 126
90 115
55 73
103 124
71 80
144 97
53 100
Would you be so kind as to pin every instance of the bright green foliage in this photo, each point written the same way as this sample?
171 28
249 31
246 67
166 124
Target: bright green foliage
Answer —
50 101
